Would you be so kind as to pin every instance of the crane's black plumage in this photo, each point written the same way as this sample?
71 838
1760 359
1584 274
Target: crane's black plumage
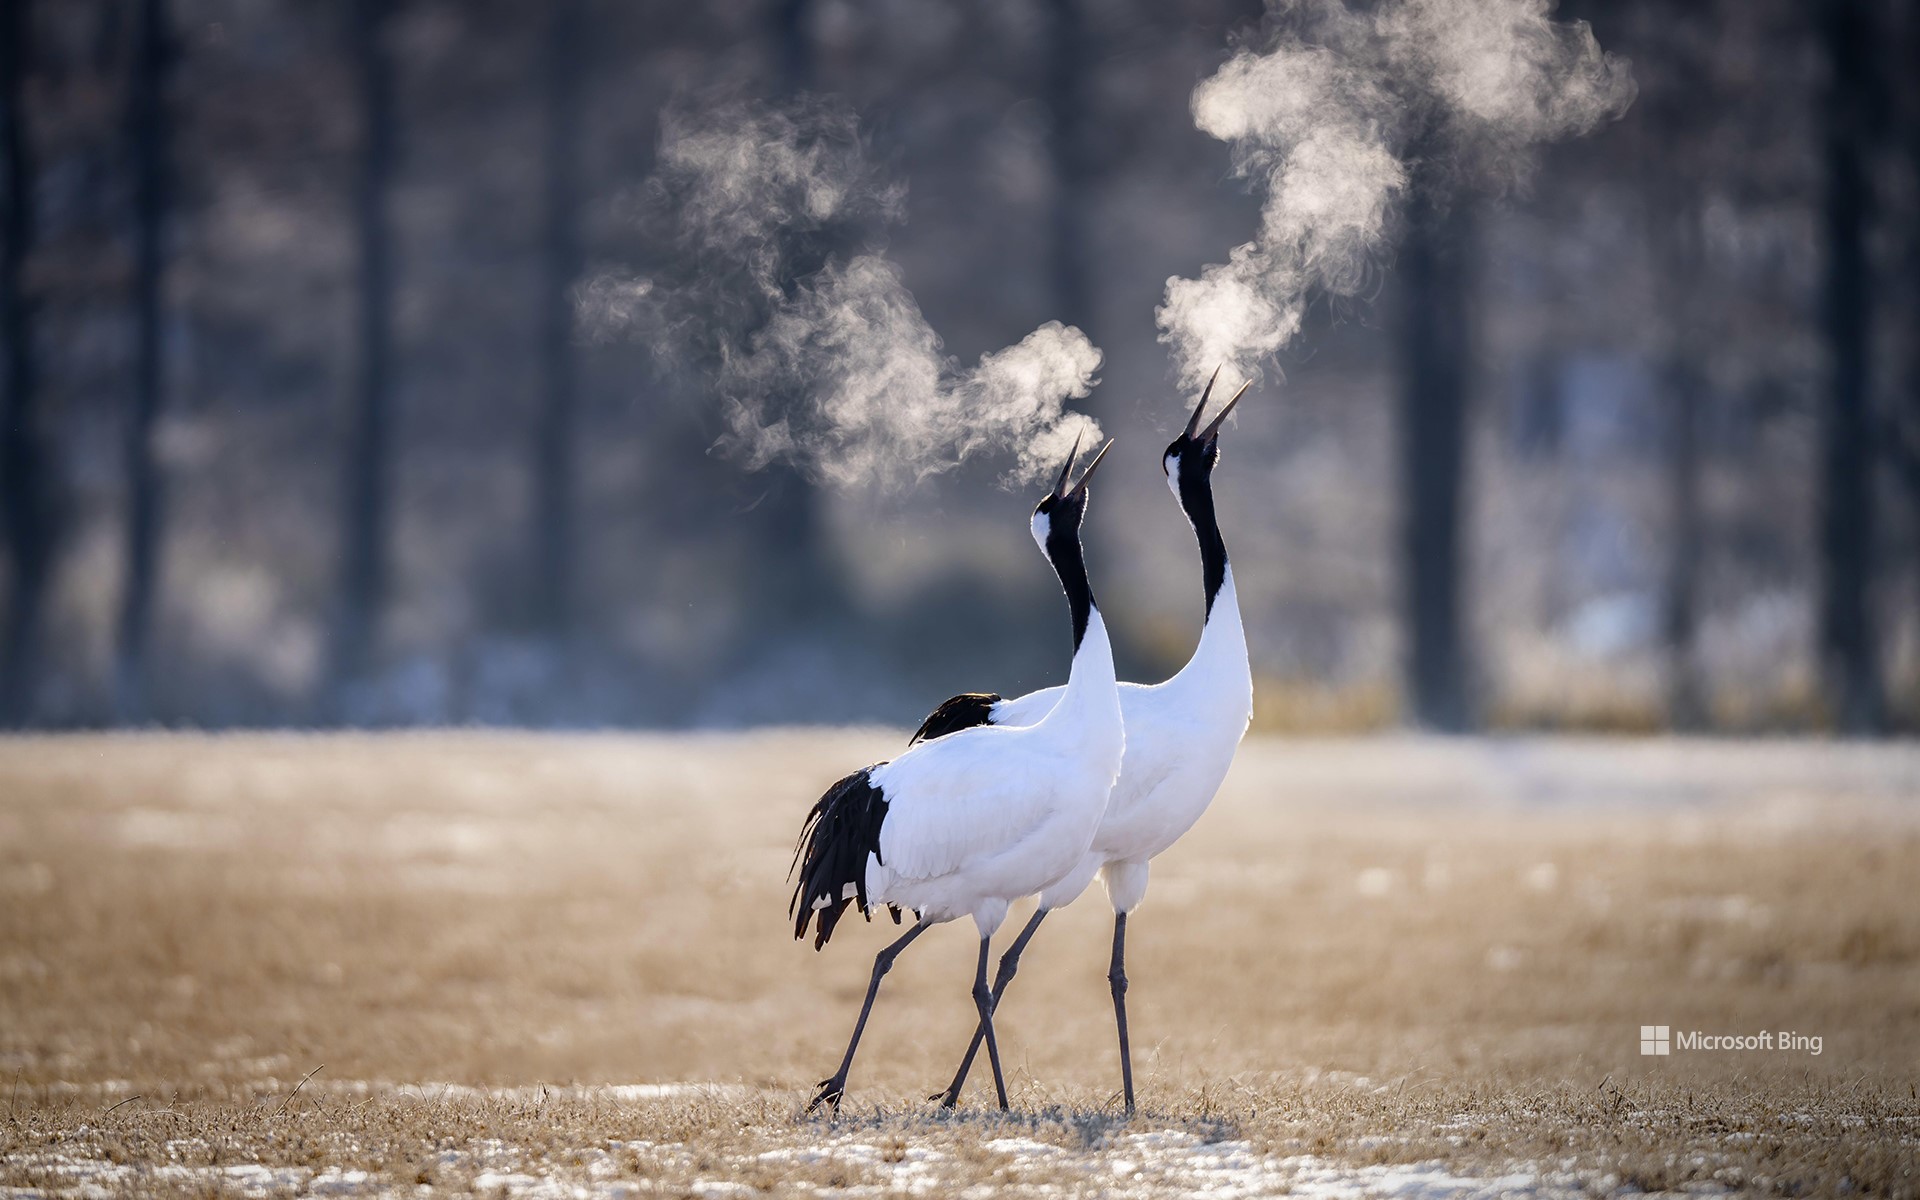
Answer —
961 712
1197 451
1069 562
842 829
1197 461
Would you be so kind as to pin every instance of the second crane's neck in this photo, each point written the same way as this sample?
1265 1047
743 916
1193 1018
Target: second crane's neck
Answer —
1194 487
1092 697
1219 672
1062 544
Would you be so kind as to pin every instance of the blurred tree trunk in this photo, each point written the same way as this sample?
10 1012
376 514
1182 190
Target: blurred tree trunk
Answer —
551 553
798 592
22 491
1848 648
1906 408
1681 72
1436 337
365 482
799 589
1066 63
148 131
1681 382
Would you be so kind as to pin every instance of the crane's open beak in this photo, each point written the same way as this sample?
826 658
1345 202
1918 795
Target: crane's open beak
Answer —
1212 431
1194 432
1193 422
1066 468
1091 468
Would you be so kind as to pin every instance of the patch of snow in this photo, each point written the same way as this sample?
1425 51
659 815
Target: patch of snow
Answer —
337 1181
663 1091
531 1094
504 1181
1179 1163
1020 1145
1143 1165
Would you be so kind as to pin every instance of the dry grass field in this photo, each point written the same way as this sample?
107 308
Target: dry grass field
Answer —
533 965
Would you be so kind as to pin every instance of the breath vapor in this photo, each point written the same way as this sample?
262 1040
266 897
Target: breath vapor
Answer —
1325 122
777 289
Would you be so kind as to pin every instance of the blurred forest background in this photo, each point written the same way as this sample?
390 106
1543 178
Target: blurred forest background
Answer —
299 428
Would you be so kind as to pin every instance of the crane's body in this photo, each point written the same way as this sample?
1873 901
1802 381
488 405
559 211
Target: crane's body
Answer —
1181 737
1011 811
973 822
967 824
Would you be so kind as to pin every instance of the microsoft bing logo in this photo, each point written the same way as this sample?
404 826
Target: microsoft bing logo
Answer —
1661 1040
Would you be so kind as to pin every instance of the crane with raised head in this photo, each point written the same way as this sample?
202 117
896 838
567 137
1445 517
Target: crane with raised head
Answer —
967 824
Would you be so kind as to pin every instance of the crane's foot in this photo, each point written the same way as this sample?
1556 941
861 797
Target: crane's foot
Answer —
829 1094
948 1099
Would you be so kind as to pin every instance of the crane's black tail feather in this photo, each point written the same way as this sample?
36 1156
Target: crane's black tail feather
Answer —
831 856
961 712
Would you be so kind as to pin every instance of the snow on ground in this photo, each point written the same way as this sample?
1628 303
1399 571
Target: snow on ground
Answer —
1158 1163
527 1095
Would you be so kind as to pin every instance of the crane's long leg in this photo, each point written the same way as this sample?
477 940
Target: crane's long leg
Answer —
831 1089
1009 964
983 1000
1117 980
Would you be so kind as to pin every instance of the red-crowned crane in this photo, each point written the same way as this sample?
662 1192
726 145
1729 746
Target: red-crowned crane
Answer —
966 825
1181 738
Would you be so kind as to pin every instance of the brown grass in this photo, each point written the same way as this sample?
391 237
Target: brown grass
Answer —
1370 952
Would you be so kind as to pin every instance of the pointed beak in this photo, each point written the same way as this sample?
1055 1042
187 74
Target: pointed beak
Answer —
1213 430
1193 422
1066 468
1091 468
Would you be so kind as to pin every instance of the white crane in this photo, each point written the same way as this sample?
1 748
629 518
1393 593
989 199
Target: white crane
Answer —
966 825
1181 738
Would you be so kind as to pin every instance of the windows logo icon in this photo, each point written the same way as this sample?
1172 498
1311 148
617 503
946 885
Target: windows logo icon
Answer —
1654 1040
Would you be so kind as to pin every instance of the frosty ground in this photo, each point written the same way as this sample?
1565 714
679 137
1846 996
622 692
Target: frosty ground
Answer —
540 965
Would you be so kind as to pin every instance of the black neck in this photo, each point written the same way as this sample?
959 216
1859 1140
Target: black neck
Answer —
1063 551
1196 497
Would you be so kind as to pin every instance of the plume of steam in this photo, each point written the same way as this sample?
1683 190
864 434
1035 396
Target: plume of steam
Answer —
775 284
1502 70
1322 123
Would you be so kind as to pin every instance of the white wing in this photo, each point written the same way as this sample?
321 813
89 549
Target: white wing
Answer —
1029 709
957 800
1033 707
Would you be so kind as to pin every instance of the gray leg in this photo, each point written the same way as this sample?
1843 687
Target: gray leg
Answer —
831 1089
1117 980
983 1000
1009 964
